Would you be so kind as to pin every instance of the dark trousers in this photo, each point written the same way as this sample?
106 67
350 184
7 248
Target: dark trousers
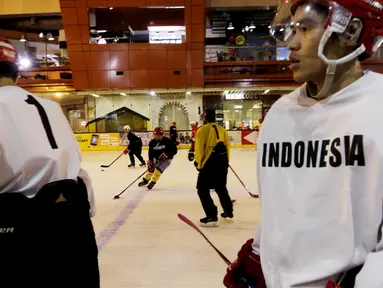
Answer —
137 153
214 176
48 241
208 203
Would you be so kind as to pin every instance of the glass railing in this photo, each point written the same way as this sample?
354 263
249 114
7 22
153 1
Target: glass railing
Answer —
226 53
54 58
230 53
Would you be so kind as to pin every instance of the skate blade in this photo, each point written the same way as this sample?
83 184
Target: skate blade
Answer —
228 220
209 225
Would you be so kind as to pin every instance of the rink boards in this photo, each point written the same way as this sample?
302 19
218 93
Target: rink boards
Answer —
113 141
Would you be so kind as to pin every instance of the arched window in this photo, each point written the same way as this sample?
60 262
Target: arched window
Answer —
174 112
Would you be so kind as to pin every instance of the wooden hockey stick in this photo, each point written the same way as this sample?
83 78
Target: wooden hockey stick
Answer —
243 184
122 192
107 166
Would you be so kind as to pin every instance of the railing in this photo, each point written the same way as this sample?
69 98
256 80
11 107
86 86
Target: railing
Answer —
231 53
257 72
52 58
45 78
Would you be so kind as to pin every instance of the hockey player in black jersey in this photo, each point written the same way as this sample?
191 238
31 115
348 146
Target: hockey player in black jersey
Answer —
134 147
161 153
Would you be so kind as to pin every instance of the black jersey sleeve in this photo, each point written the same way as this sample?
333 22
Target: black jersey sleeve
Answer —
171 148
151 151
134 141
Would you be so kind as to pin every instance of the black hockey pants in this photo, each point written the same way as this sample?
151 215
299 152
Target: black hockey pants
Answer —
136 152
214 176
48 241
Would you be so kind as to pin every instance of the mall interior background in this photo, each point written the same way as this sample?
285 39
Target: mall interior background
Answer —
148 63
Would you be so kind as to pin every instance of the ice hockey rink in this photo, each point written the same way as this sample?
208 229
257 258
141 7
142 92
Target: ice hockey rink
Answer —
142 243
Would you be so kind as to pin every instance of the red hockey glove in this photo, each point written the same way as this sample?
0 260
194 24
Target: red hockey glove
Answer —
126 151
150 166
247 268
164 156
331 284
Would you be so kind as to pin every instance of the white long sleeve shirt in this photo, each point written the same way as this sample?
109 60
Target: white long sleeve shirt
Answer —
37 145
320 173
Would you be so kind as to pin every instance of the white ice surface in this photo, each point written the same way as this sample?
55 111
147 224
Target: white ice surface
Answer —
153 248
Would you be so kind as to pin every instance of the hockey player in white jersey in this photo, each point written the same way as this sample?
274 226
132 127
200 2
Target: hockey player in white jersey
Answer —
320 156
46 199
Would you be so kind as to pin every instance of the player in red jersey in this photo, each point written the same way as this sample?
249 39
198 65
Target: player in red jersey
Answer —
194 126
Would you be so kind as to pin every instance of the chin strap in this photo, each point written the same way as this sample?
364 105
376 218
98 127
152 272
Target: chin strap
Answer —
331 64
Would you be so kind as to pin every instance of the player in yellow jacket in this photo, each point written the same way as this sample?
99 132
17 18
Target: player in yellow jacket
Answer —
212 154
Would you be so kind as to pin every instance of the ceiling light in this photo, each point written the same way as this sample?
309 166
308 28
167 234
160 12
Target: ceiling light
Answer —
238 106
50 37
266 91
188 93
58 95
25 62
230 27
95 95
152 93
247 28
243 29
252 26
22 39
269 27
110 8
101 31
41 35
123 94
251 30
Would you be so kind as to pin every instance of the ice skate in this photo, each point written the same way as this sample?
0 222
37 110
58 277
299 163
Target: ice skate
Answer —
144 182
209 222
151 185
131 165
228 217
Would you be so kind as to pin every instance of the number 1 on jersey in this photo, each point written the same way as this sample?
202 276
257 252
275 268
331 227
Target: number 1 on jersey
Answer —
44 118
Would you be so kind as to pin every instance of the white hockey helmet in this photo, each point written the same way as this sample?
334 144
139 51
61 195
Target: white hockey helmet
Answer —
127 127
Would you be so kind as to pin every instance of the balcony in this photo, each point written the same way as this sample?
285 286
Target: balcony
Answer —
229 66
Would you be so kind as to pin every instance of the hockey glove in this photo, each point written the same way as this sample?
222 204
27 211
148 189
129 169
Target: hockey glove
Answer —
150 166
245 270
164 156
191 155
126 151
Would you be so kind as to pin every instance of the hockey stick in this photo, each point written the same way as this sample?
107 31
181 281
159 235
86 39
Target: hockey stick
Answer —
122 192
191 224
223 257
107 166
244 186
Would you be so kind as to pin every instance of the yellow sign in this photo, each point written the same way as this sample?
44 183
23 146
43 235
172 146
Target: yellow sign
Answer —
240 40
99 141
